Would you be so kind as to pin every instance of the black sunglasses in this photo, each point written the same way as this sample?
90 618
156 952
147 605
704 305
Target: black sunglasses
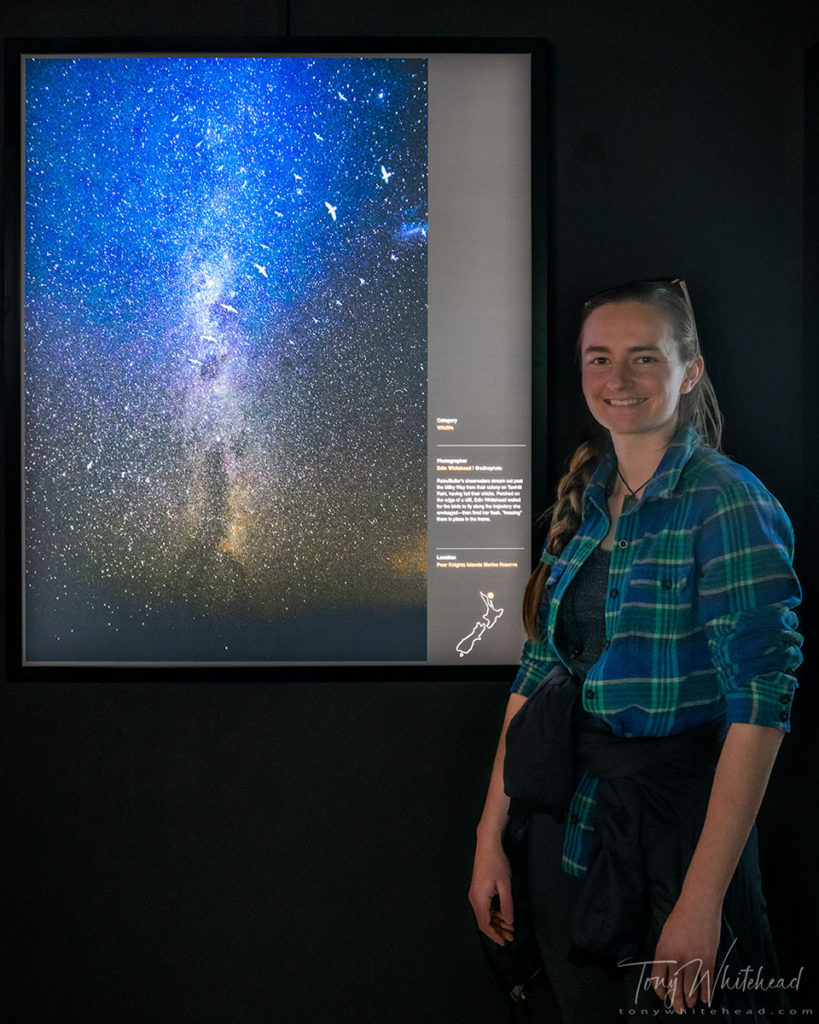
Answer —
642 291
676 284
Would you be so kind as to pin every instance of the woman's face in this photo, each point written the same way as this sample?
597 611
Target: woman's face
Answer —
632 372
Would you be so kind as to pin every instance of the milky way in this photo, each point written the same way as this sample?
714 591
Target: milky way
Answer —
225 358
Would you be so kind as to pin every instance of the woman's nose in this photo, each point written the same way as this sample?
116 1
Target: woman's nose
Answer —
618 377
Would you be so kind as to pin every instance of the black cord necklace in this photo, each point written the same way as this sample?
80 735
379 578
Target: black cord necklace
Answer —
630 491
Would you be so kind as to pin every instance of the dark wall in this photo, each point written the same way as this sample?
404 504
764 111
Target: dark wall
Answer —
256 853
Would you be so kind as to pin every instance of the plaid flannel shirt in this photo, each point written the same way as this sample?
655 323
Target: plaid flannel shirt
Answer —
699 612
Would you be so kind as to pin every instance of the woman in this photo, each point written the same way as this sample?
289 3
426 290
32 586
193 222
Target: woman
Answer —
666 589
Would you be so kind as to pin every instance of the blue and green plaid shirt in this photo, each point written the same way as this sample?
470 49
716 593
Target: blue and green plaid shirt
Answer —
699 612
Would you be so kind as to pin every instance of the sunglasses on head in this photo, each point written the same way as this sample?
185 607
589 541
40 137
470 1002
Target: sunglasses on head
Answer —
673 284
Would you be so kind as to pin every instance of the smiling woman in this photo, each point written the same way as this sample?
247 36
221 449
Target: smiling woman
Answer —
662 645
633 372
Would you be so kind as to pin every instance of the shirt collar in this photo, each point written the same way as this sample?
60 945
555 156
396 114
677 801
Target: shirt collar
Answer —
666 475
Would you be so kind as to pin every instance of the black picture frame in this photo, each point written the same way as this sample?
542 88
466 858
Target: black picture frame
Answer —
17 666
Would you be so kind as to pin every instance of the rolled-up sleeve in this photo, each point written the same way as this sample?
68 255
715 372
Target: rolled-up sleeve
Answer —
538 658
746 594
536 663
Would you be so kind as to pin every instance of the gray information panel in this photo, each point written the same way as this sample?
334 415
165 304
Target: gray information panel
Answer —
479 357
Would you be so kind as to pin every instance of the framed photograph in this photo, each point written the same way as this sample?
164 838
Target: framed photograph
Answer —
268 355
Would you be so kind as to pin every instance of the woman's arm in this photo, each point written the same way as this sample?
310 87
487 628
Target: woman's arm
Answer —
690 937
746 593
490 871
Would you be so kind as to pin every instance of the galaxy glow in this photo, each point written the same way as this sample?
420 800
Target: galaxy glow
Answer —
225 356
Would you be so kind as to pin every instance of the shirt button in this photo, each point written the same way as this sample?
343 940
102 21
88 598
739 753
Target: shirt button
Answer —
784 716
589 693
576 653
622 543
667 584
613 592
785 698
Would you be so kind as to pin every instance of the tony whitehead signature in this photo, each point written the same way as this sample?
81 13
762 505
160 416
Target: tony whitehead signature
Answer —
745 979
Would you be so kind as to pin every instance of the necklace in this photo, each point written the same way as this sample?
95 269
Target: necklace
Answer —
633 493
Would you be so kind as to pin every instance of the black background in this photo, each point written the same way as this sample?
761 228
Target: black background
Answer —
293 852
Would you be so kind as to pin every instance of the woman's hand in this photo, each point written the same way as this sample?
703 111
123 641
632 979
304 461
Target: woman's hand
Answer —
685 958
490 892
690 937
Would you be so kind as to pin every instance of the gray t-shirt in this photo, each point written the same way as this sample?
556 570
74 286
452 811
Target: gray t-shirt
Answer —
581 624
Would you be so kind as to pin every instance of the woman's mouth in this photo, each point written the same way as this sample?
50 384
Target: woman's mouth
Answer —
623 401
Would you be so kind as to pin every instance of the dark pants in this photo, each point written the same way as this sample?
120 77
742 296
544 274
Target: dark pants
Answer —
588 993
595 993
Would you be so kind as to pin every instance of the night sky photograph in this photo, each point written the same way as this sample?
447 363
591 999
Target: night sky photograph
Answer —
225 359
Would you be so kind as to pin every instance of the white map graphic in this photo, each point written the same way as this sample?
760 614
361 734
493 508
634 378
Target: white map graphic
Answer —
486 621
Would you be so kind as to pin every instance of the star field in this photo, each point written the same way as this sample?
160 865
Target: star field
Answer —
225 358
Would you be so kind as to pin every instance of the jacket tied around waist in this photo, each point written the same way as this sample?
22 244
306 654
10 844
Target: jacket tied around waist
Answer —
652 795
